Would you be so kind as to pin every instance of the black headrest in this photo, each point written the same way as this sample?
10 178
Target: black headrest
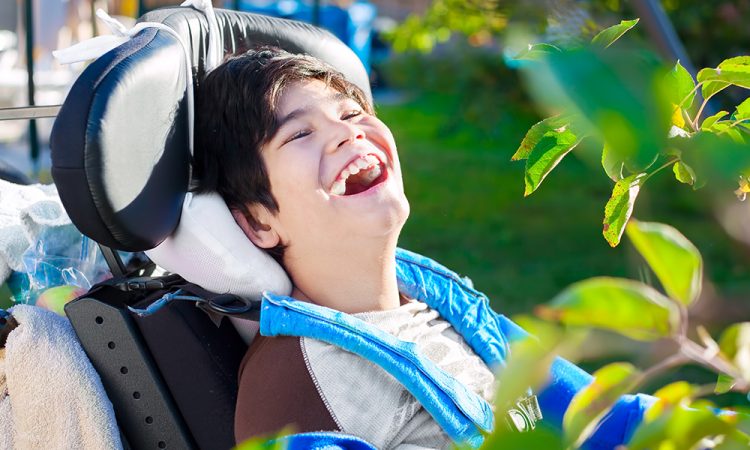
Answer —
120 153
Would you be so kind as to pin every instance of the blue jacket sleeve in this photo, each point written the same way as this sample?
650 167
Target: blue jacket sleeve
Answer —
565 380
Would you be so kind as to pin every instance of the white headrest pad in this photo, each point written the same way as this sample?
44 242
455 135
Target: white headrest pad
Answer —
209 249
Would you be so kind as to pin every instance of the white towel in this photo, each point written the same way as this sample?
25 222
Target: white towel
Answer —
55 397
24 212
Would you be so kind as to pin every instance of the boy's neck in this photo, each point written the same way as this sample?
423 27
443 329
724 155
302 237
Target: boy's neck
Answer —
350 282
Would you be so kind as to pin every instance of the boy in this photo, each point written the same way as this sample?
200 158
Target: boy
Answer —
312 176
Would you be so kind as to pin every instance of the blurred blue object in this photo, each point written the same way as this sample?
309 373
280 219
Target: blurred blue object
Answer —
60 256
352 25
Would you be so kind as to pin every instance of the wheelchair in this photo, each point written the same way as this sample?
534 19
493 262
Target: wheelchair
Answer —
121 162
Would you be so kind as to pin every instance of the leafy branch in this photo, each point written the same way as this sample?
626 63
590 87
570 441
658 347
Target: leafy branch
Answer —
640 312
640 114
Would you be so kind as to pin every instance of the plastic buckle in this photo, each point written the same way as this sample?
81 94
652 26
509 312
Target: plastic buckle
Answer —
141 284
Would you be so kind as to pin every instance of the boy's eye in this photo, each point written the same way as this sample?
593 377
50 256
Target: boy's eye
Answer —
297 135
351 114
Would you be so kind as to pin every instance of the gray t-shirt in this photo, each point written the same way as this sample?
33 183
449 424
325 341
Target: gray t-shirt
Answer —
366 401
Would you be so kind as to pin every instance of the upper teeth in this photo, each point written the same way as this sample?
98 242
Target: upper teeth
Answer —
339 186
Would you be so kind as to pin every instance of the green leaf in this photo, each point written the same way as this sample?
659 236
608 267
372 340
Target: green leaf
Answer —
612 164
735 346
546 155
616 95
709 122
672 257
711 83
733 442
725 127
535 52
679 87
623 306
683 173
527 367
668 397
721 159
732 71
537 132
504 439
608 36
724 384
740 419
270 442
743 110
591 403
620 207
680 428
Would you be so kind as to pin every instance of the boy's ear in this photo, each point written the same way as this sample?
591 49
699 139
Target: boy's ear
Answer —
261 233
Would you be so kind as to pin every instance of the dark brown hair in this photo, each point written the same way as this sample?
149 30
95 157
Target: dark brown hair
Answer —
235 116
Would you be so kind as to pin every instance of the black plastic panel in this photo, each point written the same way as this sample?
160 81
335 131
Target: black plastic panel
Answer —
143 405
199 363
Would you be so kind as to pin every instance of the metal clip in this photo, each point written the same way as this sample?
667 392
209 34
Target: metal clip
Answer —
524 415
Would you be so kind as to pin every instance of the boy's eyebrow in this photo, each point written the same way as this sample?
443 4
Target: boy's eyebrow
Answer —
333 98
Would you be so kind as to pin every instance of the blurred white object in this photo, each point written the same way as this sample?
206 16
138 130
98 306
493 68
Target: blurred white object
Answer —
735 218
55 398
24 211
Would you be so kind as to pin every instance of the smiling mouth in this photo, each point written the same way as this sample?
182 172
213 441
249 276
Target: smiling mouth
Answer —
360 175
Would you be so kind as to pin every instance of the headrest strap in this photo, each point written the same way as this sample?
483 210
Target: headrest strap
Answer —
97 46
215 52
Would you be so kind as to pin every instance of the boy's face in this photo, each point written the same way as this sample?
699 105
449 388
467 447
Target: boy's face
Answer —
334 171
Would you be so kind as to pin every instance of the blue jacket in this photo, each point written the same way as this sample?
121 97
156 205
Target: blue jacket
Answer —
460 412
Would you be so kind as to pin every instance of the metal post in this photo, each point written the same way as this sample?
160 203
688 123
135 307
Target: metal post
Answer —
662 33
316 13
114 262
33 136
94 26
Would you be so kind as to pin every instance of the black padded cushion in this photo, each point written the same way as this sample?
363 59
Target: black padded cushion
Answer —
120 154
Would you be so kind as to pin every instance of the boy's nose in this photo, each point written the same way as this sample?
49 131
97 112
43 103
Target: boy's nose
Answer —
348 133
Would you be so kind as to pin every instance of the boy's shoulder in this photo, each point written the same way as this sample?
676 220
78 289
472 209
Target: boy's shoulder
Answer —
277 390
310 385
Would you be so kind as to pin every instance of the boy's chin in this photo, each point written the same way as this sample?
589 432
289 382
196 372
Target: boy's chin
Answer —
385 223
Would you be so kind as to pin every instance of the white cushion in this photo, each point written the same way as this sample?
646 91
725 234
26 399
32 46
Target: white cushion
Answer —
209 249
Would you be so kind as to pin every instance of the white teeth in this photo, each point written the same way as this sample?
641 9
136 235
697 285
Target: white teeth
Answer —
373 173
339 187
368 161
372 159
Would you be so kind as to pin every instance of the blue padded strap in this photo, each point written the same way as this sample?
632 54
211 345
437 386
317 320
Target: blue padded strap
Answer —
324 441
463 307
455 408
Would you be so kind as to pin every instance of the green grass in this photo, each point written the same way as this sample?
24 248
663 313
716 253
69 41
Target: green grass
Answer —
5 296
468 210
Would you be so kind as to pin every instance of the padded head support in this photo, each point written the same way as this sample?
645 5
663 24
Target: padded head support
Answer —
120 153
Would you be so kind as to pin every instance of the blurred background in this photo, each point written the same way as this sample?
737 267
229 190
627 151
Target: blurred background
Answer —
459 108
